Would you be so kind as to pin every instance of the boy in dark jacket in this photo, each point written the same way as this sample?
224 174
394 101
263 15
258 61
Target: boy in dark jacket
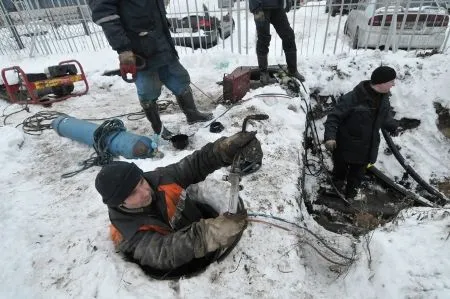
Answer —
273 12
153 220
352 128
140 27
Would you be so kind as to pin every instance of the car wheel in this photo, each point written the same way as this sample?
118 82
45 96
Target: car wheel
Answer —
355 39
327 9
333 12
346 28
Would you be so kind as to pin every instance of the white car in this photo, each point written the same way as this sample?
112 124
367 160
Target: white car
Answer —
418 24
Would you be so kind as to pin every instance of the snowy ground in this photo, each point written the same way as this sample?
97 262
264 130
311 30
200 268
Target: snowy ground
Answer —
55 231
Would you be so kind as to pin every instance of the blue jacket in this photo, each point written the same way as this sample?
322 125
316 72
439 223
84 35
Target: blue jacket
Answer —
137 25
256 5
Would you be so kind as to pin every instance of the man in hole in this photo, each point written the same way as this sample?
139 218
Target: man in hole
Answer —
352 128
155 223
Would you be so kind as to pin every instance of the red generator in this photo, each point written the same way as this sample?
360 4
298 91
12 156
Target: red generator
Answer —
56 84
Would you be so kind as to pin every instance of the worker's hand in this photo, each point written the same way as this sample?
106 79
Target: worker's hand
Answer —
220 232
259 16
242 214
394 132
330 145
288 6
127 65
228 147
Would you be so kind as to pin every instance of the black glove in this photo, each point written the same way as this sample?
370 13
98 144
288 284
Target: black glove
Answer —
228 147
289 4
395 132
259 16
330 145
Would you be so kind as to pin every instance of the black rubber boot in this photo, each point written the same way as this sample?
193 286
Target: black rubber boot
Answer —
187 105
339 184
151 111
291 61
264 76
350 193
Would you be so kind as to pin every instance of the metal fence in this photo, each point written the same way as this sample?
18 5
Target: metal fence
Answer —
42 27
36 27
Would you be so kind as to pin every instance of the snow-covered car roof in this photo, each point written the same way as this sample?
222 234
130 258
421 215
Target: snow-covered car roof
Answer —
181 9
431 6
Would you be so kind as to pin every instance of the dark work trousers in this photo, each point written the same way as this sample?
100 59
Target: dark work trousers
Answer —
278 18
342 171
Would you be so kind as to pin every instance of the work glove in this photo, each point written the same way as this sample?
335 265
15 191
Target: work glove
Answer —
127 61
220 232
330 145
394 132
228 147
259 16
288 6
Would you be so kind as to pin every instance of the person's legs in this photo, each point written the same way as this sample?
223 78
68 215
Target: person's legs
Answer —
354 177
175 77
281 24
262 46
340 170
263 34
148 87
177 80
284 30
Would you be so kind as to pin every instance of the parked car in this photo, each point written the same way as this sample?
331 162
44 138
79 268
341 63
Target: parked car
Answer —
335 6
421 24
200 30
445 4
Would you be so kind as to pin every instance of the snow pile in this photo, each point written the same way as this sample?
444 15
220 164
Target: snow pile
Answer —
55 231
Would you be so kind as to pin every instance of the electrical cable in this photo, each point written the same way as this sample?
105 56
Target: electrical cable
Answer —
439 197
303 241
5 116
103 156
20 98
209 97
315 138
252 214
162 106
37 123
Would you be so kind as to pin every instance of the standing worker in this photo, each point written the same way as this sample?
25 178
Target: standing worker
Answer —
273 12
140 29
352 128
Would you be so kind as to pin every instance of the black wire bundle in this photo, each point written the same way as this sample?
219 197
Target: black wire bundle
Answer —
311 141
35 124
103 156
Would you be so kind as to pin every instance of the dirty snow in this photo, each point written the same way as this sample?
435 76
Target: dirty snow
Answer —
55 231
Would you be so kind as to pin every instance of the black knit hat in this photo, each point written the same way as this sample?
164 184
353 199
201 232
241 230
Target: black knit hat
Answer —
116 181
382 74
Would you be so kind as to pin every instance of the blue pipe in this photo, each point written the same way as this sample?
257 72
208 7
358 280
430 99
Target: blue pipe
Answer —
120 143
